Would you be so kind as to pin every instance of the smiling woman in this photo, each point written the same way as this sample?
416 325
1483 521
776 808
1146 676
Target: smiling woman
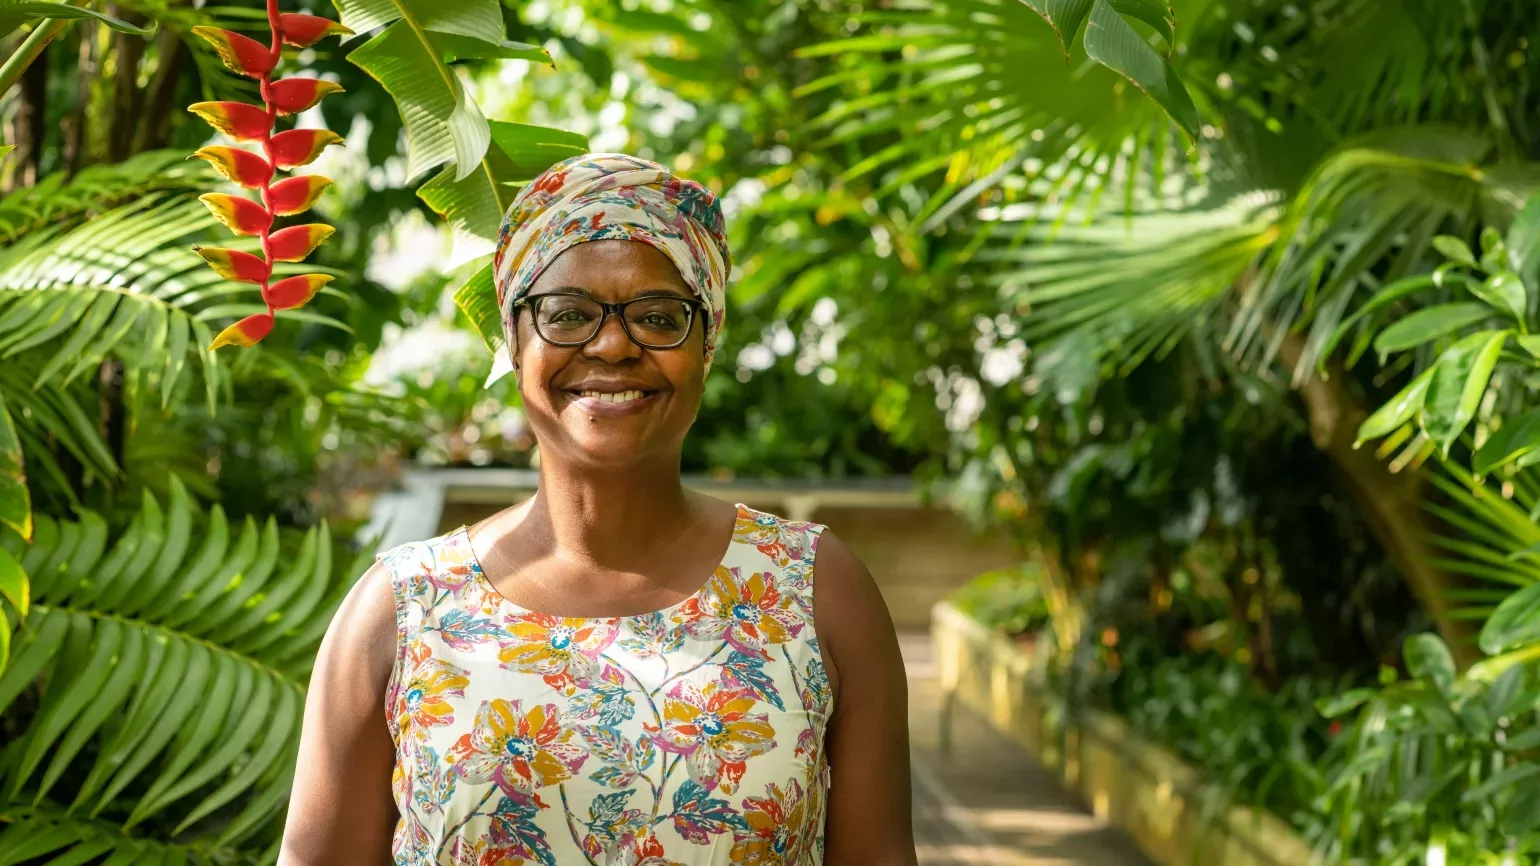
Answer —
618 670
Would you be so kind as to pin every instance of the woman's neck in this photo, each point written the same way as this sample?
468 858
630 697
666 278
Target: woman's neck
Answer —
606 518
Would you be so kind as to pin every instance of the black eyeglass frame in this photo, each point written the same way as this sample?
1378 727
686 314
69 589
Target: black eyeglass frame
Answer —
692 305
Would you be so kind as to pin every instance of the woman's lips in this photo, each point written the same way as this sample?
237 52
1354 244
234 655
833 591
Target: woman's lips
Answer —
612 403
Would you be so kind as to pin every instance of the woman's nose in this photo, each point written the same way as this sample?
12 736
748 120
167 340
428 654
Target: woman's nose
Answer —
612 344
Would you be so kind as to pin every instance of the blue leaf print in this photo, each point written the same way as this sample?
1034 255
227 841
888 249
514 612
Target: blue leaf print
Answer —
749 671
655 636
610 704
513 823
463 630
605 810
623 760
697 816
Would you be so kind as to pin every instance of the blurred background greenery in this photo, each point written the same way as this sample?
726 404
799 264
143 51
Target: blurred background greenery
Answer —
1134 308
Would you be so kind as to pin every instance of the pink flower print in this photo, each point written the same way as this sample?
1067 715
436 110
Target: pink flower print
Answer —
714 729
750 613
563 651
519 751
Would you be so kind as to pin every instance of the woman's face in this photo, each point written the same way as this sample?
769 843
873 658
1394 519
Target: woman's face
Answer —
562 386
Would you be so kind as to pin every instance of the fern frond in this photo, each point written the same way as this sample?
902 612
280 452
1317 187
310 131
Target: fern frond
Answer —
171 658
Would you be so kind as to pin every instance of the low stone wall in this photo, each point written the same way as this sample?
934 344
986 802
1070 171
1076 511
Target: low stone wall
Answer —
1162 802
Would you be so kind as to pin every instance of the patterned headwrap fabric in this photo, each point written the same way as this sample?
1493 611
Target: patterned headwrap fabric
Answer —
611 196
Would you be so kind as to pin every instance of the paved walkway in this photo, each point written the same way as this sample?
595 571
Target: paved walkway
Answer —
988 803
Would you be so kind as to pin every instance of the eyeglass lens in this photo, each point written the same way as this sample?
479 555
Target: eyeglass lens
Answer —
659 323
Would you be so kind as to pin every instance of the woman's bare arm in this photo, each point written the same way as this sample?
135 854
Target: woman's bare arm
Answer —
869 821
341 812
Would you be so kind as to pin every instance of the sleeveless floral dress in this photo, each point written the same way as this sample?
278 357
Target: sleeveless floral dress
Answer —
691 736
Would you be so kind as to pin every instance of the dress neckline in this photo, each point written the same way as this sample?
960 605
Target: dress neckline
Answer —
462 536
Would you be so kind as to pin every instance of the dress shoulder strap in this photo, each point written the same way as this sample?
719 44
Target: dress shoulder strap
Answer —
789 547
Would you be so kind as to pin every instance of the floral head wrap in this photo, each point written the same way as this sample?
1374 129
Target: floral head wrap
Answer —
611 196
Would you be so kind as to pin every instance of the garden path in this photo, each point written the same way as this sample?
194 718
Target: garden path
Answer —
987 802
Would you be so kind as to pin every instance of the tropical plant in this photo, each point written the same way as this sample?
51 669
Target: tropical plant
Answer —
283 150
1314 182
1483 306
1441 762
164 664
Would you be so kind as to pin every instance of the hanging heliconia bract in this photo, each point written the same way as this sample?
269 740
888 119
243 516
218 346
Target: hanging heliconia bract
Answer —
253 170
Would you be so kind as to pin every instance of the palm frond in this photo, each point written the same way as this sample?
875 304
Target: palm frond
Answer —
1493 537
53 420
170 660
982 91
1367 216
1131 288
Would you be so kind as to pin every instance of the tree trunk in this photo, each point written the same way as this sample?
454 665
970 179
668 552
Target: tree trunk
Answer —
28 129
127 98
155 123
76 139
1391 502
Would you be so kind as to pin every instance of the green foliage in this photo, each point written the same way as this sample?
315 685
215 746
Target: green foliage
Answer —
1440 759
166 662
412 57
1266 751
1010 599
15 13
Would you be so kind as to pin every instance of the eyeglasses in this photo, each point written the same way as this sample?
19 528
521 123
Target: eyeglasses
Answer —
570 319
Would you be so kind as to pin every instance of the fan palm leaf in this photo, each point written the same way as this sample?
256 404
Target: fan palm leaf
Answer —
170 659
984 91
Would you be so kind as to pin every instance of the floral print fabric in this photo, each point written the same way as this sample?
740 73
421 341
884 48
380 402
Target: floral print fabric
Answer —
684 737
612 196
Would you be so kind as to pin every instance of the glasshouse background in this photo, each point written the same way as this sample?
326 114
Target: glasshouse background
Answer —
1170 365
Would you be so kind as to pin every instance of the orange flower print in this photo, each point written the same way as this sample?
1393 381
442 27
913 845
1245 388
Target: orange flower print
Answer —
714 729
750 613
777 829
518 751
423 700
565 652
479 853
647 851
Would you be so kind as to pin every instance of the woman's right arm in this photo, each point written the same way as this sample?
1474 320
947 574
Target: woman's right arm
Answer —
341 811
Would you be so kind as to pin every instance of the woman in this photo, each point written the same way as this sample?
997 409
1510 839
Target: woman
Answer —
619 670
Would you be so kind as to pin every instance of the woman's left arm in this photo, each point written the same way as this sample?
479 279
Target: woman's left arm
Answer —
869 817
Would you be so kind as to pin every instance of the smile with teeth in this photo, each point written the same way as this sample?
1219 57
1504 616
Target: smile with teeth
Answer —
606 397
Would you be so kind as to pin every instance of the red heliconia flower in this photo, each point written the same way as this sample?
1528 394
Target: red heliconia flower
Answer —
242 54
300 146
255 170
294 292
296 194
293 95
238 166
247 332
238 120
295 242
303 31
239 214
235 265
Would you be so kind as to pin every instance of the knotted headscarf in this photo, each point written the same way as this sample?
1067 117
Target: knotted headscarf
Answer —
611 196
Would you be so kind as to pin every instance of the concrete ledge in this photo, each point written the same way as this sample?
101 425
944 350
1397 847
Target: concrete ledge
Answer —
1163 803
